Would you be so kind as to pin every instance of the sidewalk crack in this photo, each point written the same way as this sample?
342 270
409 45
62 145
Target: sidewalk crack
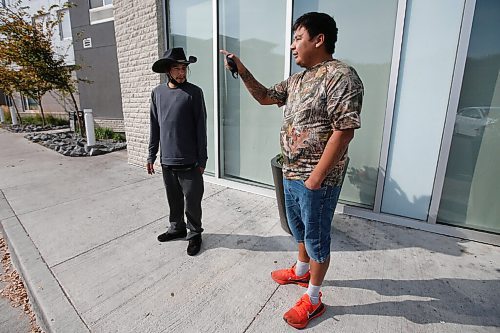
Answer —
262 308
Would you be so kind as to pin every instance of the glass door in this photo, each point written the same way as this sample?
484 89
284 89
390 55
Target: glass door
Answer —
471 196
255 32
365 41
190 27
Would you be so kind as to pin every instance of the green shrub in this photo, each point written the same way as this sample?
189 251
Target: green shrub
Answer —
56 121
36 119
32 120
100 133
8 117
119 137
105 133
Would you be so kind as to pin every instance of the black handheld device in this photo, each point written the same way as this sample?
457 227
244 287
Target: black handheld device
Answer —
232 67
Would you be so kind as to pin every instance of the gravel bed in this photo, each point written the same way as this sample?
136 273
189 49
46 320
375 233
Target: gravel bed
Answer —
69 144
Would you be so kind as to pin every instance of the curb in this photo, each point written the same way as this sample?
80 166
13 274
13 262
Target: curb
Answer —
51 306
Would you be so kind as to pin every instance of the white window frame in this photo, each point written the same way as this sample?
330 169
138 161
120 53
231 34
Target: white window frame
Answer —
100 9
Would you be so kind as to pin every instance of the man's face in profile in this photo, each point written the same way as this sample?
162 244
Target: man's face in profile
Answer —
303 47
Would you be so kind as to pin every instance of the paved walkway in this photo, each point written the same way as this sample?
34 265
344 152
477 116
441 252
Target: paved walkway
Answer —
82 231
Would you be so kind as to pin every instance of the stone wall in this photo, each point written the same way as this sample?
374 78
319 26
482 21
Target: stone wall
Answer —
138 30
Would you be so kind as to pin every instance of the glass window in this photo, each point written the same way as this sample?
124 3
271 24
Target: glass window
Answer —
8 100
6 3
470 192
29 104
101 11
190 27
100 3
365 38
64 25
40 21
428 55
255 31
95 3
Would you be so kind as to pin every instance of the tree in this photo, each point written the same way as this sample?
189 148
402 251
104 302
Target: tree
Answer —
30 63
8 79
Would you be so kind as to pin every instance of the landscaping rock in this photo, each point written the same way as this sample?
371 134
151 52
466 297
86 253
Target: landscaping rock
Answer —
68 144
33 128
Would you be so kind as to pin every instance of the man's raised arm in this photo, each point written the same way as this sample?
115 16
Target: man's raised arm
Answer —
261 94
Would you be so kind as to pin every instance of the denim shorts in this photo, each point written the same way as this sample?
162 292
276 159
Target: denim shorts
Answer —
309 214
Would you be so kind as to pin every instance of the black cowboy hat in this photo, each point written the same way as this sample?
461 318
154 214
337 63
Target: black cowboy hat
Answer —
173 55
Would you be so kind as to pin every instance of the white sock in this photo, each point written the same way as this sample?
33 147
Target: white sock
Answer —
313 292
301 268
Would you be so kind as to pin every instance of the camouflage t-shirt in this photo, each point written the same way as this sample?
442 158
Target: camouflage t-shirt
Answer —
319 100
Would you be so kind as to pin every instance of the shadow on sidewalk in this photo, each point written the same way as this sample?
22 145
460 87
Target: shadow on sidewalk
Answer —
449 300
352 234
249 242
347 235
459 301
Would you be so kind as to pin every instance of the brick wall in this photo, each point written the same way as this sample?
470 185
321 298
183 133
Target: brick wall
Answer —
138 30
115 124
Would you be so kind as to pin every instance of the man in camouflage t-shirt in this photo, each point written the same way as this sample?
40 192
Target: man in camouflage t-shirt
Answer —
323 105
323 98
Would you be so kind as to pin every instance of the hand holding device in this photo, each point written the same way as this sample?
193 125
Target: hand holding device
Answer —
232 66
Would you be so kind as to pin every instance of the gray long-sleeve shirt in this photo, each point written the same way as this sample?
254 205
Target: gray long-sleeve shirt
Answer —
178 125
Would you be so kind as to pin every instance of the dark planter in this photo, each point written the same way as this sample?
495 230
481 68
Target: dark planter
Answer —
280 195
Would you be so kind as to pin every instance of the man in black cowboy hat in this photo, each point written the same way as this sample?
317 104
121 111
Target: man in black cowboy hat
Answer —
178 125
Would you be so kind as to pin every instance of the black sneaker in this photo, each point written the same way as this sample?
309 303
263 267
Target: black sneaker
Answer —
165 237
194 245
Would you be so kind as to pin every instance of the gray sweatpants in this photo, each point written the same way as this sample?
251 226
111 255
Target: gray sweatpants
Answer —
184 193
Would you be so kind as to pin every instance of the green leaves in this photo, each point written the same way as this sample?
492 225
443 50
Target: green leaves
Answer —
28 62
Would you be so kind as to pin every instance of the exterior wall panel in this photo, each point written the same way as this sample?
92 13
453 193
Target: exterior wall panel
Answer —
138 41
99 65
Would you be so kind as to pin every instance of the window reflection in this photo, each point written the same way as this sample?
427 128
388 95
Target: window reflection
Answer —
470 192
255 31
190 27
366 35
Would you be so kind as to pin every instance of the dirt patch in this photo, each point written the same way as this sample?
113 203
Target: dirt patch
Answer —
14 290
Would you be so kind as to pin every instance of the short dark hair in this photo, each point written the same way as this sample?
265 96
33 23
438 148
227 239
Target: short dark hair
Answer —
319 23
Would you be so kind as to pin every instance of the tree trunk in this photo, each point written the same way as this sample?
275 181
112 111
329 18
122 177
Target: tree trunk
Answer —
39 100
80 120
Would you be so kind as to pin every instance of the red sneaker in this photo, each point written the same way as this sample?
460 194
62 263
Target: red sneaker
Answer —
303 312
287 275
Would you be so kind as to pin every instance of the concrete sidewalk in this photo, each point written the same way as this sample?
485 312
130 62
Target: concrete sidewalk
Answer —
82 232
